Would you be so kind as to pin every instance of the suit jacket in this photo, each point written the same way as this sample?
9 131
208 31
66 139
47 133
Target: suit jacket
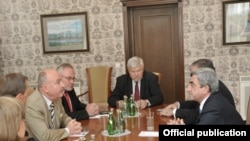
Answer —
189 110
149 89
217 110
79 111
39 122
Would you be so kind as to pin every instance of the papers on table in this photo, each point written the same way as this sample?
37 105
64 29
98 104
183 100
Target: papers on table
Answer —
149 134
106 114
84 133
98 116
105 133
136 115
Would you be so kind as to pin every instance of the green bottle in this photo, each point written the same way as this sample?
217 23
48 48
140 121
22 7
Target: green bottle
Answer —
111 123
122 123
118 122
125 106
132 106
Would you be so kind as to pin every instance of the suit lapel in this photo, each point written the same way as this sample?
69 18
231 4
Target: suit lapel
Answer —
72 99
42 101
129 86
57 112
142 90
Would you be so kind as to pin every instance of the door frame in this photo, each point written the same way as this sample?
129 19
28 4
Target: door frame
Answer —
129 46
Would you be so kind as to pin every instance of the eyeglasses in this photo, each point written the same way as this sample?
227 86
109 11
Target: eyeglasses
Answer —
70 78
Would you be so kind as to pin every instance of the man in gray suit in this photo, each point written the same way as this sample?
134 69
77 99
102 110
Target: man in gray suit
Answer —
43 124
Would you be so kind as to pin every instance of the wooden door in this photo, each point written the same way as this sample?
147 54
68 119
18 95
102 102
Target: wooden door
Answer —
154 34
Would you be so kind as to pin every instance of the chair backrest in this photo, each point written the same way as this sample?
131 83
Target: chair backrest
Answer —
159 76
99 84
248 112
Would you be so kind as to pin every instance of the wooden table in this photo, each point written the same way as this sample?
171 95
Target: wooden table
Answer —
133 124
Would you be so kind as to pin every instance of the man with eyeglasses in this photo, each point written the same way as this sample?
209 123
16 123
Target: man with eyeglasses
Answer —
72 105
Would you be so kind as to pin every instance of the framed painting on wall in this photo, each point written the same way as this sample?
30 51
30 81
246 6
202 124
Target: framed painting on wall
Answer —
236 22
63 33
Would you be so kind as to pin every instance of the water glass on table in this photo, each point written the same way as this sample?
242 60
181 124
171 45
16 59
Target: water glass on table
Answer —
150 120
138 107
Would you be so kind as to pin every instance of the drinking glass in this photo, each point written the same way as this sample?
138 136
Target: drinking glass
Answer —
150 121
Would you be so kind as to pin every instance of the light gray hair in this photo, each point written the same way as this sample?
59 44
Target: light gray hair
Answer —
134 62
207 76
61 67
42 78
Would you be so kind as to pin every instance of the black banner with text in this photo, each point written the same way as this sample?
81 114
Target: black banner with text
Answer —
198 132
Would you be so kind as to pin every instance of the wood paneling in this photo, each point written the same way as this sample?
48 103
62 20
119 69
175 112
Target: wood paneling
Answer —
153 33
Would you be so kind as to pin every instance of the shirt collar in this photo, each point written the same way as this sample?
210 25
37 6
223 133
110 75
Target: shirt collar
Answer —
202 103
48 102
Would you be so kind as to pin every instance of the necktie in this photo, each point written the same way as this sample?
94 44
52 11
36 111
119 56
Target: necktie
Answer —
52 114
137 93
66 95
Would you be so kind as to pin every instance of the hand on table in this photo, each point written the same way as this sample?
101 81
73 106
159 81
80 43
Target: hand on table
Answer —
74 127
92 109
168 110
142 103
177 121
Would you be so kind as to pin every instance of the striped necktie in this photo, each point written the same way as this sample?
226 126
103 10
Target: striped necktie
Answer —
52 114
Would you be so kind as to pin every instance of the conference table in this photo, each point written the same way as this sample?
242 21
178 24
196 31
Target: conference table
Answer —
96 126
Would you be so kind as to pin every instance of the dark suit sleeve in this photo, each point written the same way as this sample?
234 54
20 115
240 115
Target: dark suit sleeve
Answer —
121 89
150 89
189 104
78 115
188 111
226 93
189 116
79 111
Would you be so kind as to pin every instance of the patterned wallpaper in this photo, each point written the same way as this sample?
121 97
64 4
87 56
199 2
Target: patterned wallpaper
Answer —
202 21
21 40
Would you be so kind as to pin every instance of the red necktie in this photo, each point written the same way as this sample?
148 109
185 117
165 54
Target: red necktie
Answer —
137 95
66 95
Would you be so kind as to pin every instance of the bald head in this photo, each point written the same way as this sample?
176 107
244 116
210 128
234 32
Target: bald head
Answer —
50 84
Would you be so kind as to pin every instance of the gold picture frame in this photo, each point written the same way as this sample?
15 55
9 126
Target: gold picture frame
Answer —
63 33
236 22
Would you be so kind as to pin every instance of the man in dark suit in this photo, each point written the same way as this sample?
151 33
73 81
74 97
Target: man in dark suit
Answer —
187 110
213 107
149 93
72 105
